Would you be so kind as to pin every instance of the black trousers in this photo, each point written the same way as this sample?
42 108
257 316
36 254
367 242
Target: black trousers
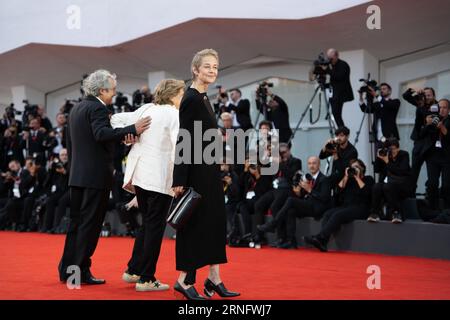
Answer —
296 208
28 204
87 212
417 161
147 245
336 109
438 166
273 200
55 209
391 193
335 217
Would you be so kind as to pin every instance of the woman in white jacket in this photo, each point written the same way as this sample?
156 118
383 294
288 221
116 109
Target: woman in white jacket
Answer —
148 174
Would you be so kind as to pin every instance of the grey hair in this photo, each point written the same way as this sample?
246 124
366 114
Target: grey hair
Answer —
97 80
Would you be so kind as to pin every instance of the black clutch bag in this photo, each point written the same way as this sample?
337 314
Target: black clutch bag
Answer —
183 209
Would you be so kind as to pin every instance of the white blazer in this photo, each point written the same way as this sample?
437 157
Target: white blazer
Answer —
151 160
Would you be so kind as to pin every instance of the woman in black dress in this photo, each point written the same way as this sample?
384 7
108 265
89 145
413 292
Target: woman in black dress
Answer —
202 240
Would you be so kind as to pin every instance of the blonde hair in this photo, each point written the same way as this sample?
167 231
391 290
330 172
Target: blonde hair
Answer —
226 115
166 90
198 58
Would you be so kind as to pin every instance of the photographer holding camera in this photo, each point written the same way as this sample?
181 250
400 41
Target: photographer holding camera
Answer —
422 99
394 181
342 91
312 197
59 134
275 111
58 193
436 151
10 147
9 119
11 184
34 140
355 190
384 109
238 108
342 152
282 187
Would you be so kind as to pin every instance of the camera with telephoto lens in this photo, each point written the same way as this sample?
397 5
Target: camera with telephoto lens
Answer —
299 176
385 147
224 174
321 61
368 83
29 109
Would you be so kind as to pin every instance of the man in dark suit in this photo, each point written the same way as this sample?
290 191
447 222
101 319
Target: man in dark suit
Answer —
90 143
340 83
384 110
240 109
312 198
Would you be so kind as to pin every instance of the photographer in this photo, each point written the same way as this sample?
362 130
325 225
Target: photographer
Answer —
342 152
59 134
312 197
355 191
34 140
394 184
282 187
10 147
230 182
58 191
276 110
384 109
9 120
45 121
11 180
239 109
436 151
423 99
252 186
220 105
342 91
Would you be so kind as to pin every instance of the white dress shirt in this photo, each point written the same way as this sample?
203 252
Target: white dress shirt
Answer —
151 160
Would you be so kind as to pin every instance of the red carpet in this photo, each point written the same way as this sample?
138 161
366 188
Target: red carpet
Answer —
28 263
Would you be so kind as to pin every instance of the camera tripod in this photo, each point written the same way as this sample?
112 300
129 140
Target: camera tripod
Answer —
321 91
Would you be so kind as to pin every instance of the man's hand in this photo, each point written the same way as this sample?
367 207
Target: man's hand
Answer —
142 124
297 190
132 203
178 191
306 185
228 180
130 139
385 158
25 135
61 170
372 92
429 120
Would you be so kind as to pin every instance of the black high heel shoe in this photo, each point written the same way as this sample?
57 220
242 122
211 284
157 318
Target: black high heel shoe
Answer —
211 288
190 294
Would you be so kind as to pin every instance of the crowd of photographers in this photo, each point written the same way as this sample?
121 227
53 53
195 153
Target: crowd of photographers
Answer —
33 165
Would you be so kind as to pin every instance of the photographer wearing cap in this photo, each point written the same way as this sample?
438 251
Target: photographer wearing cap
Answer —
394 181
342 152
355 191
436 152
384 109
422 99
312 198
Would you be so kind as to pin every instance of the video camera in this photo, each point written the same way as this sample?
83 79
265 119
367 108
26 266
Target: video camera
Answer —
321 61
29 109
368 83
11 112
434 113
261 92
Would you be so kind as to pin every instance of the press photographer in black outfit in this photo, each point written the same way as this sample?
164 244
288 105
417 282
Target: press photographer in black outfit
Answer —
394 184
436 150
239 108
342 152
282 187
58 192
384 109
312 198
276 111
355 191
339 72
422 99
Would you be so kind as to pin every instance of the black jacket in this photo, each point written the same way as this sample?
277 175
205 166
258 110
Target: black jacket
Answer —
353 195
386 111
339 165
90 143
430 134
340 81
320 194
242 111
397 170
287 171
280 118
